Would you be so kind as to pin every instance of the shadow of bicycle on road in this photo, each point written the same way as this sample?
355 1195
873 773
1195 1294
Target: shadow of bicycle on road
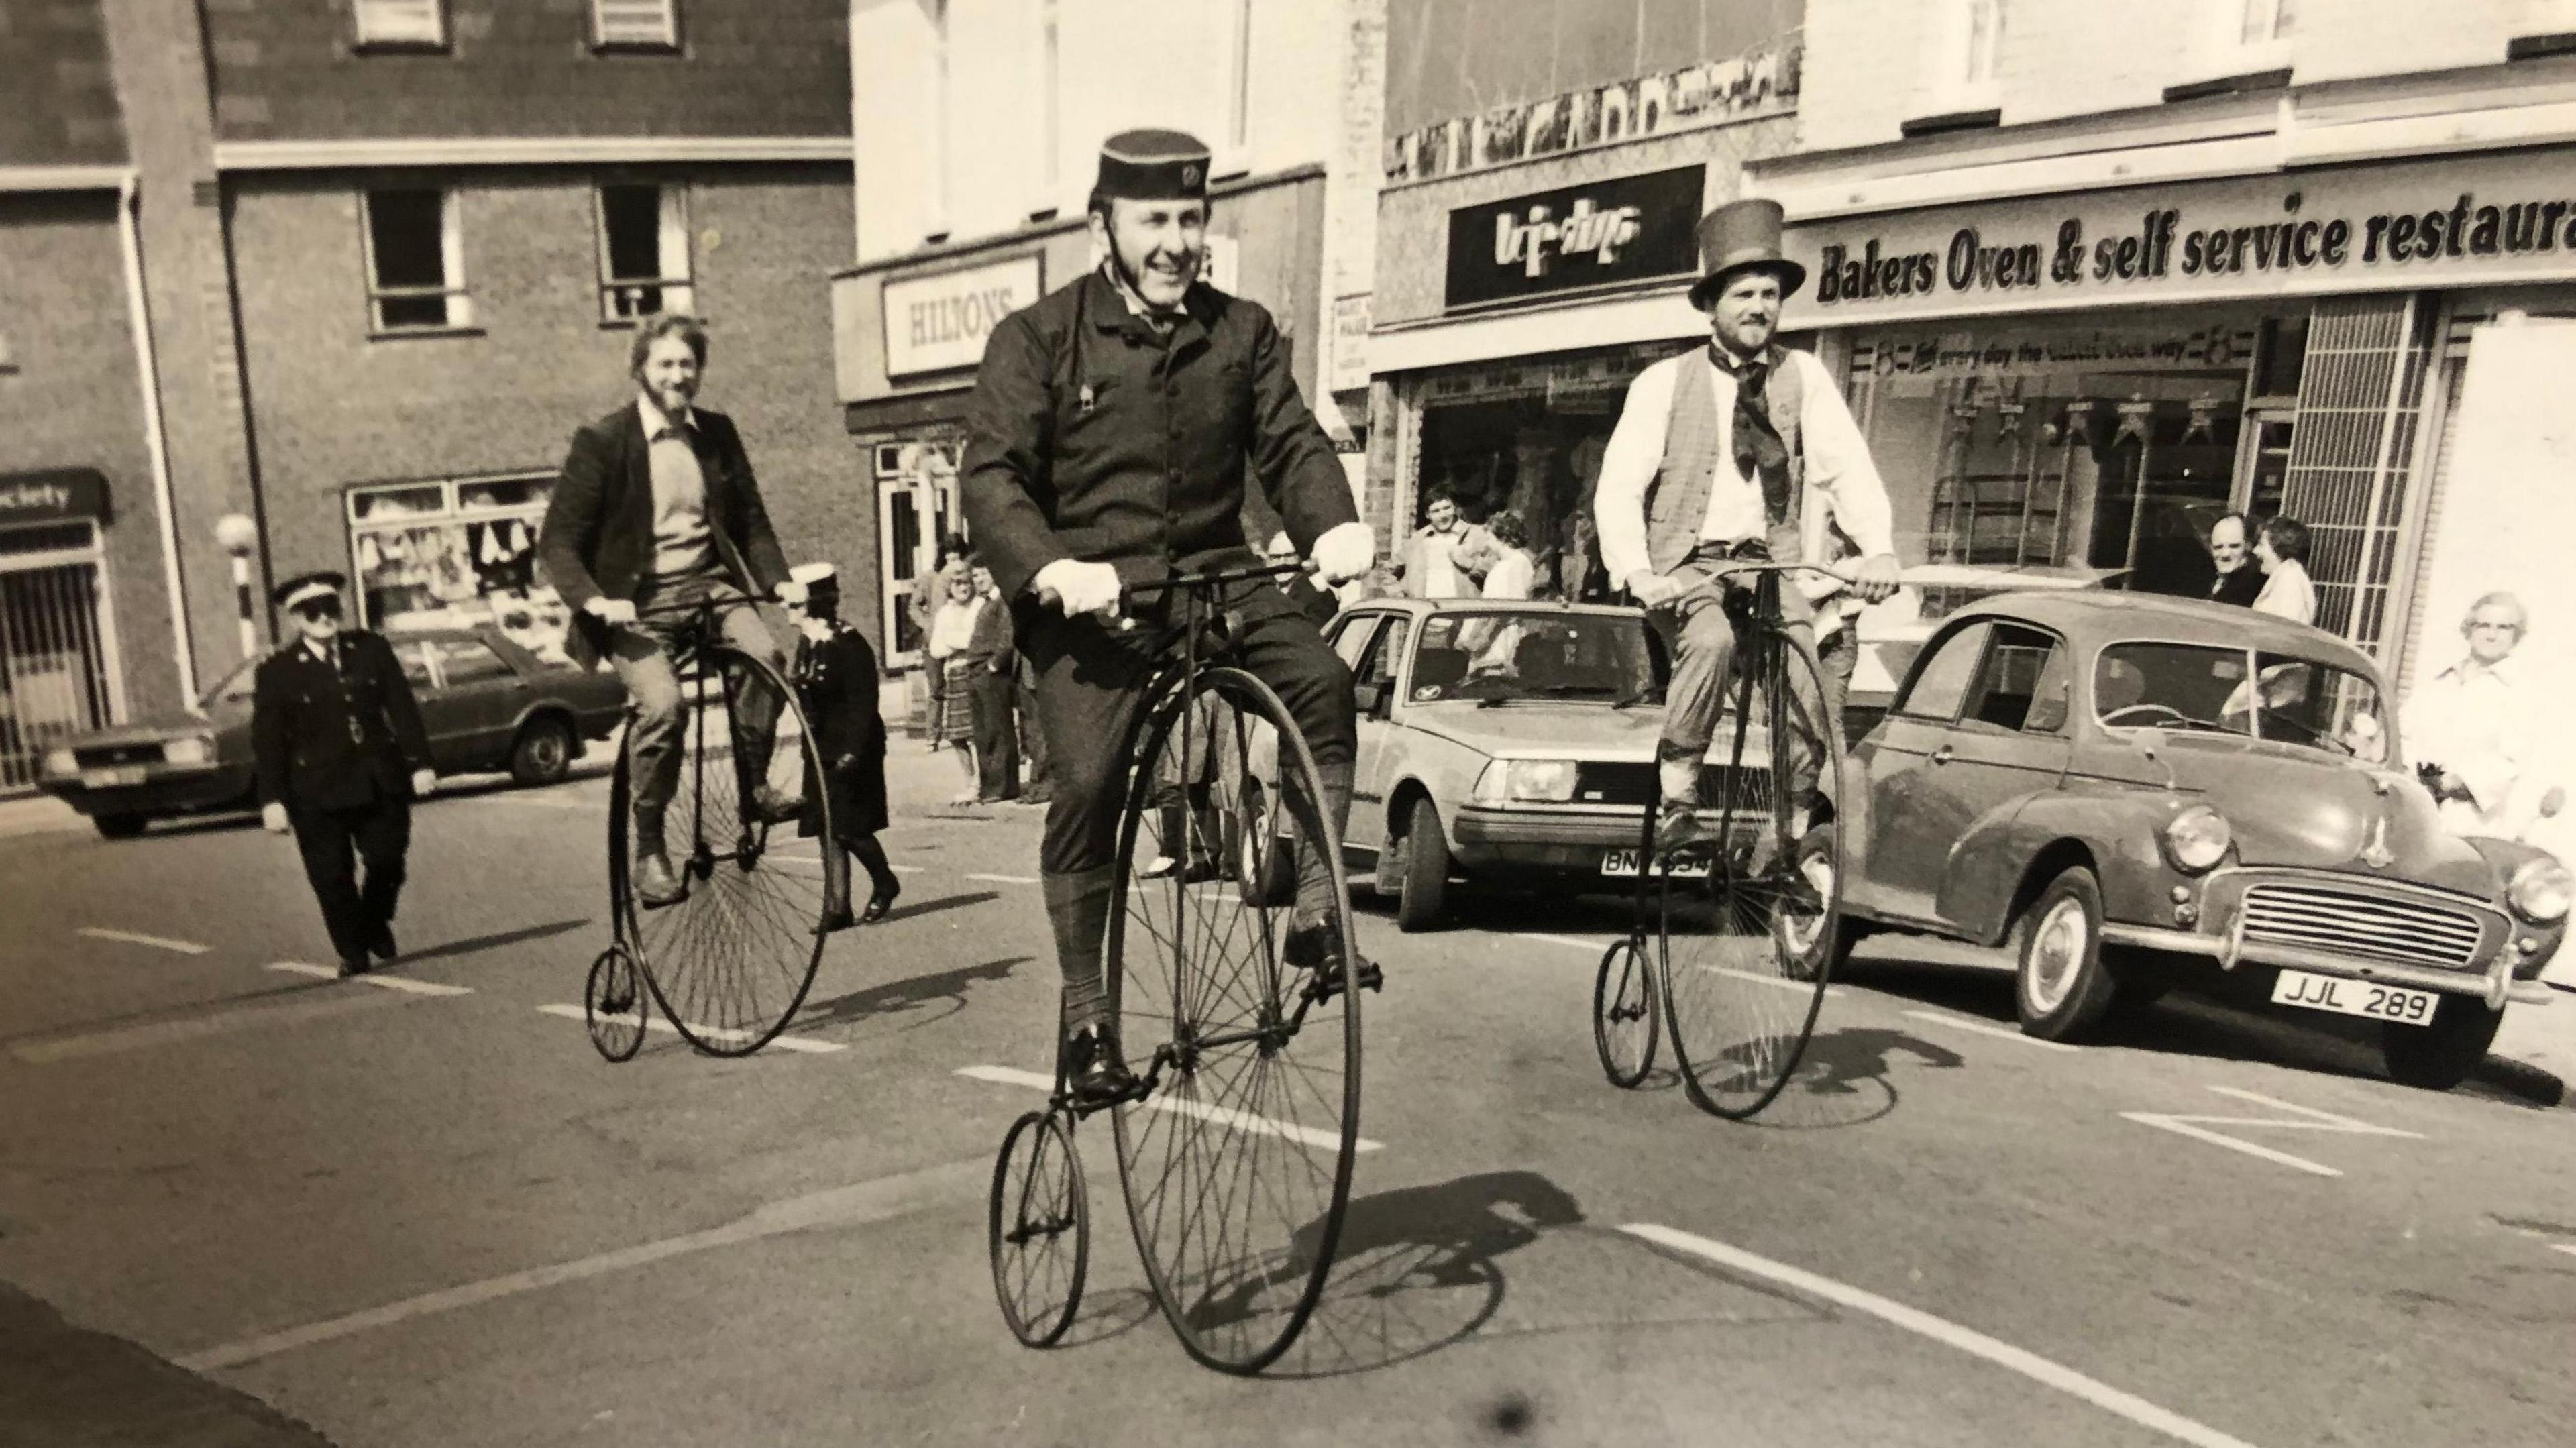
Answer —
942 992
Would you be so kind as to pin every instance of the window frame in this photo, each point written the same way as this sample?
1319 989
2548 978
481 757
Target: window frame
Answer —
679 294
364 40
601 41
438 650
2058 653
1955 81
453 291
1982 626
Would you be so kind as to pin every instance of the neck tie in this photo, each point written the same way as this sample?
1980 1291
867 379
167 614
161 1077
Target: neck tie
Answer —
1760 453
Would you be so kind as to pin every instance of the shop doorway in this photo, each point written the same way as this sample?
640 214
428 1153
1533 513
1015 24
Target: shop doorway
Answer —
56 675
918 503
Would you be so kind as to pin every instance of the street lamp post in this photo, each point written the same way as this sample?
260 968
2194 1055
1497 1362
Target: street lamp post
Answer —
240 537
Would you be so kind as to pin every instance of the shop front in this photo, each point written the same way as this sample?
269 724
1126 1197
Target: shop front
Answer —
59 671
456 553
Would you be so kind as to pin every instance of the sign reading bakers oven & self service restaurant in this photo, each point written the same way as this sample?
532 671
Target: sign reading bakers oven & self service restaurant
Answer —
2473 222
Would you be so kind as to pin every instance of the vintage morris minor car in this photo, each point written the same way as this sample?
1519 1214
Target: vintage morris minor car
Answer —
2131 791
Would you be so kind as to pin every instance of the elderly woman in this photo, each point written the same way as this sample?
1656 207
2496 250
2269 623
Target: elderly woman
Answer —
952 675
2475 728
2282 548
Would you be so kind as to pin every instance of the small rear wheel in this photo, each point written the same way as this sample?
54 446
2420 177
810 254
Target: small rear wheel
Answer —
1625 1020
2440 1056
613 1006
1039 1229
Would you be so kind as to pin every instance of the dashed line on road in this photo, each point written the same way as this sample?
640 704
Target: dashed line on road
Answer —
1943 1018
132 937
1005 879
401 983
190 1028
857 1205
534 802
1802 987
2567 1247
1243 1121
1941 1330
804 1044
2304 1118
1593 945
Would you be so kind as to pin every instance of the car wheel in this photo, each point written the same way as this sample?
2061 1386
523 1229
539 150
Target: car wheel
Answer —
2060 985
2440 1056
1424 883
119 826
542 754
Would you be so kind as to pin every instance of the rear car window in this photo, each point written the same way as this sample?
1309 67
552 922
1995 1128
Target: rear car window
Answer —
465 661
414 658
2020 665
1941 683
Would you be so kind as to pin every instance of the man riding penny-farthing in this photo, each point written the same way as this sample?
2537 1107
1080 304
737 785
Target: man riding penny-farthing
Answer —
1112 428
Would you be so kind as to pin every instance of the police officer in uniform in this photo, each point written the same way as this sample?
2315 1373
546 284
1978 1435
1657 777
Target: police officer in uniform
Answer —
340 754
1112 428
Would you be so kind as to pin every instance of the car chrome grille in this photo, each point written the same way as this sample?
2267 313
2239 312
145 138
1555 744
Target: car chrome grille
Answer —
2397 929
1632 784
106 756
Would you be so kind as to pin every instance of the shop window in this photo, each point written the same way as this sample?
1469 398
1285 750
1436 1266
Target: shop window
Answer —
643 252
399 24
459 553
918 505
635 24
415 261
2281 356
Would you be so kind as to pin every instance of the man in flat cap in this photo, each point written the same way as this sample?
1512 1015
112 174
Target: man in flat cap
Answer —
1112 427
1719 456
340 754
656 513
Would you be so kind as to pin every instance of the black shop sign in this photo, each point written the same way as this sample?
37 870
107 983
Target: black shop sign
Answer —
1609 233
52 496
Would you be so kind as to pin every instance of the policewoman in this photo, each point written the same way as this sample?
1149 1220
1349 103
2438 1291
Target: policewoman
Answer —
1111 431
340 754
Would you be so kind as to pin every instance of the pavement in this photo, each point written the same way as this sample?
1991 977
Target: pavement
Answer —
242 1204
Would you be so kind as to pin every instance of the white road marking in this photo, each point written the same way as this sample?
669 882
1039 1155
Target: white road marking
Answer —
158 942
381 982
1939 1018
1592 945
1950 1334
535 802
851 1206
722 1033
2306 1118
1800 986
1223 1116
2567 1247
190 1028
1006 879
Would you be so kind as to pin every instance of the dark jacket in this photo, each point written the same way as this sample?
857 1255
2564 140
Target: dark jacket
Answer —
2241 587
306 751
597 540
837 680
989 647
1092 438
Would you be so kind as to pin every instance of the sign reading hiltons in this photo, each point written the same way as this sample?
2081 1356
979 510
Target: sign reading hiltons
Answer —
940 322
2462 222
1632 228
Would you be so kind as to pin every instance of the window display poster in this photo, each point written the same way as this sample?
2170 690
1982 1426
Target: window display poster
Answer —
458 573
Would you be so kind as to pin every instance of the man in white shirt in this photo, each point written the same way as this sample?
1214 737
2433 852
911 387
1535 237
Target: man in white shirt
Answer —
2470 729
1713 461
1431 565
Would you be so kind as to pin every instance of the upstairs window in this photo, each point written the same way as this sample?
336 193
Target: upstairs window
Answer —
1962 60
635 24
2266 21
1985 43
643 252
401 22
415 261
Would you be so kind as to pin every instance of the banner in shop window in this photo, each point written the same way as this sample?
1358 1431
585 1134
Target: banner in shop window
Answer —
2465 221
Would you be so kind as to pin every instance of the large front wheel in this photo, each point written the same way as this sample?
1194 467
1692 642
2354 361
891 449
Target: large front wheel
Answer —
1748 947
1237 1166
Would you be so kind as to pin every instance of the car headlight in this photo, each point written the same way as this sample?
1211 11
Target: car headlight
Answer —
1527 781
59 762
2197 839
192 749
2539 891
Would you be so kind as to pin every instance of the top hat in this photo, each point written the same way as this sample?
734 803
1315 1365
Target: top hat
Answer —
1741 236
1153 166
306 586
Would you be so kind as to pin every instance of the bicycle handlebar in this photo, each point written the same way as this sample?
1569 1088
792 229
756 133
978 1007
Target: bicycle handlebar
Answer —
1183 582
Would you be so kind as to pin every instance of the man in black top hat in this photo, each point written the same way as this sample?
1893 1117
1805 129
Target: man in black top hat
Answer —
340 754
1111 430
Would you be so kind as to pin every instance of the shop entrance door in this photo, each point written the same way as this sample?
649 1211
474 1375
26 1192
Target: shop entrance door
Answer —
918 503
55 677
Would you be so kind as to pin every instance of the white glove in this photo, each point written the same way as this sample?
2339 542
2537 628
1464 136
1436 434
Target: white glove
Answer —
272 818
615 612
1345 552
792 593
1654 588
424 783
1075 588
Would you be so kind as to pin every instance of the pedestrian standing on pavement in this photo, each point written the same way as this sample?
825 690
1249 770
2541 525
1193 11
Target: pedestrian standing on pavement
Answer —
656 514
340 753
2240 578
1509 569
2474 729
835 673
952 676
2282 548
991 695
1436 557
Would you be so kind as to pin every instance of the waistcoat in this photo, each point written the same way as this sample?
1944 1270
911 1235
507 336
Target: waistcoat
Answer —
1677 500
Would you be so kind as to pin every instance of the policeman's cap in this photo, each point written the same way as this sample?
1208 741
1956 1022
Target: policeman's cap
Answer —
1153 166
305 587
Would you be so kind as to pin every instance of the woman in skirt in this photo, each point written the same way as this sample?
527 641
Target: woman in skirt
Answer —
952 675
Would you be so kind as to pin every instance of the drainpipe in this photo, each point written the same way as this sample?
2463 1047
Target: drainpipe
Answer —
147 365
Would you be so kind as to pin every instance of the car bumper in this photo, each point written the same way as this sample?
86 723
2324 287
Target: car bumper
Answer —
166 791
1569 841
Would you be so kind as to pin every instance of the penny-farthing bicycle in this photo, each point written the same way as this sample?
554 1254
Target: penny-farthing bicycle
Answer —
728 962
1734 938
1235 1156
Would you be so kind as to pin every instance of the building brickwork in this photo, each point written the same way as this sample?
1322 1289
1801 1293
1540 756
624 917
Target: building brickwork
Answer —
61 107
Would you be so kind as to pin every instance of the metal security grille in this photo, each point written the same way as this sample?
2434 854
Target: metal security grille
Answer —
2361 399
2372 927
53 667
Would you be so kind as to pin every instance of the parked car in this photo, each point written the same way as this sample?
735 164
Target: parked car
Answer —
2133 791
1505 743
487 703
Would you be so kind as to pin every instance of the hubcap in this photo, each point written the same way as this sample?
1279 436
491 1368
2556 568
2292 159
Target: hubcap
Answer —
2056 954
1800 928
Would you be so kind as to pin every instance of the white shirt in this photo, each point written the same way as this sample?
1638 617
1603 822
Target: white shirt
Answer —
2477 724
1512 576
2287 593
1838 467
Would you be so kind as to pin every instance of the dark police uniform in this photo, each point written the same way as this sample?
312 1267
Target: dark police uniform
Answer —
335 740
1095 436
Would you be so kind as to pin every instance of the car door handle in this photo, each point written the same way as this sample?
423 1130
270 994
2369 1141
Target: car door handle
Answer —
1944 754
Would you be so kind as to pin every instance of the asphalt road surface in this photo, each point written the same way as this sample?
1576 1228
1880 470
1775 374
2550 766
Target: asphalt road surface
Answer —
244 1204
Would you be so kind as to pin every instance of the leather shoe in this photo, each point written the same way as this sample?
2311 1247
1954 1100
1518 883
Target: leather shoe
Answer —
878 904
382 946
655 885
1678 829
1163 867
1315 945
1095 1076
352 965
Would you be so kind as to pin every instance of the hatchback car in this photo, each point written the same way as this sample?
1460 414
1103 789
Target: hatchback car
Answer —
486 702
2131 791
